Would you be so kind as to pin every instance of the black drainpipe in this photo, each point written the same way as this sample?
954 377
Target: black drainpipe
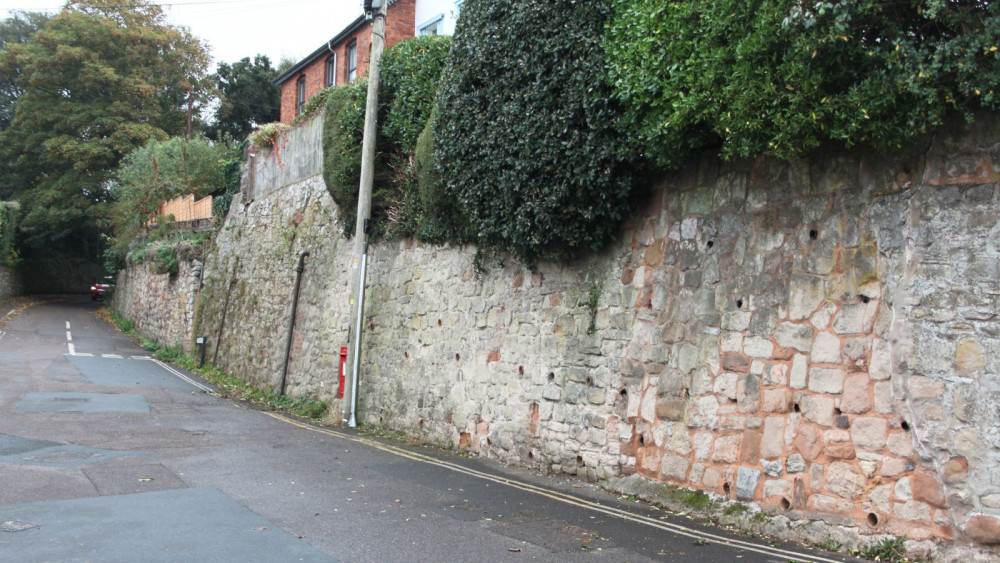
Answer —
291 322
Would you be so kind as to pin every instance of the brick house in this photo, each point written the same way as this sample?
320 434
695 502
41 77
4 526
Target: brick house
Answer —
346 56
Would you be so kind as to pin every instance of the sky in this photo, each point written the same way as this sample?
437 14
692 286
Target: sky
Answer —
235 29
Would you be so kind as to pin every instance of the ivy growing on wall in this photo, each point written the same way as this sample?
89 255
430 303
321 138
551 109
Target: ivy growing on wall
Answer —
782 77
526 138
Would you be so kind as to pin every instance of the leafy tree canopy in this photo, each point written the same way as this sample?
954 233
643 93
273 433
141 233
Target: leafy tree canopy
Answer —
247 98
99 79
782 77
19 28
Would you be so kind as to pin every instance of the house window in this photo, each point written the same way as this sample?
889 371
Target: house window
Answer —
300 89
331 70
431 26
352 61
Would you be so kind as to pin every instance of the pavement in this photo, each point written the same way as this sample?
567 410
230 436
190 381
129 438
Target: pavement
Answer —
109 455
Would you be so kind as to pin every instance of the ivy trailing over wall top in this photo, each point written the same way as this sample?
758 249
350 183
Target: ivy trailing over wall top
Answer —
782 77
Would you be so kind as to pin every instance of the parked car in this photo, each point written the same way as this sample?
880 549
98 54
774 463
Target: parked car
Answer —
100 288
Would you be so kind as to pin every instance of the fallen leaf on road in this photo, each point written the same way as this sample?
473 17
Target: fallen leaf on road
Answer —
515 550
259 528
145 479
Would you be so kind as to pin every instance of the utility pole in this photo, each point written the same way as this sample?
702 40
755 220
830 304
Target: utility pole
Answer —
359 258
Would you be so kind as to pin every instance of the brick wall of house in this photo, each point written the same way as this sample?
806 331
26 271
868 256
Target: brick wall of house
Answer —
399 26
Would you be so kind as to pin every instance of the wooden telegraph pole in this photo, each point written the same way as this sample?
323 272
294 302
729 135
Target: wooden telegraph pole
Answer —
359 261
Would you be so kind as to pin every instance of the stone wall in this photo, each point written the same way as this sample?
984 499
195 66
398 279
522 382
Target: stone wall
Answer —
10 282
818 336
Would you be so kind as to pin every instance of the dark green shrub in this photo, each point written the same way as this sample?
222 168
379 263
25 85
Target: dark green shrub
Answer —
437 216
781 77
9 213
411 72
526 137
343 132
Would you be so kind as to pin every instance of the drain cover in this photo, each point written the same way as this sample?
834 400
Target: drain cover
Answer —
15 526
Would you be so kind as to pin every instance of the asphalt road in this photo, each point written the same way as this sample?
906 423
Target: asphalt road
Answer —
108 455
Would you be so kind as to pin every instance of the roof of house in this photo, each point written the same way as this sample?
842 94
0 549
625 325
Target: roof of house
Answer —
325 48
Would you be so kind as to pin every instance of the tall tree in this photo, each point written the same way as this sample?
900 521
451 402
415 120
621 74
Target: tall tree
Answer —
99 79
247 97
19 28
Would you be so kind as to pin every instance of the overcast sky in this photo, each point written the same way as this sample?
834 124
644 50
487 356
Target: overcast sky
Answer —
235 29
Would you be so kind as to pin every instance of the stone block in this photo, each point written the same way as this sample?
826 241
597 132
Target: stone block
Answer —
795 463
816 476
826 348
969 357
956 470
880 367
748 393
674 467
746 483
856 399
900 444
826 380
736 363
818 409
800 367
750 447
869 433
920 387
726 385
806 294
711 479
737 321
892 467
850 319
845 480
773 442
913 511
927 489
821 318
882 393
776 400
902 491
727 449
777 489
671 408
703 445
772 468
758 347
793 335
776 374
881 497
731 342
983 529
840 451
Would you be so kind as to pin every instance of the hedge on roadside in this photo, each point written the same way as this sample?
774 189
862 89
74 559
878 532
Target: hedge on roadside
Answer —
526 138
782 77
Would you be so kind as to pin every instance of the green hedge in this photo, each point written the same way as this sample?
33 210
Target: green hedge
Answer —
9 213
782 77
411 71
526 137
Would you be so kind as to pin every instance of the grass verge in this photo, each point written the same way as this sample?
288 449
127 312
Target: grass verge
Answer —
305 407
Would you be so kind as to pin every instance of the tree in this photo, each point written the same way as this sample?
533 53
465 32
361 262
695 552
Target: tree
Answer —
99 79
19 28
247 97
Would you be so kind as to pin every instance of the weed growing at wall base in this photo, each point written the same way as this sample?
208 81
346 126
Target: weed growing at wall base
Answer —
305 407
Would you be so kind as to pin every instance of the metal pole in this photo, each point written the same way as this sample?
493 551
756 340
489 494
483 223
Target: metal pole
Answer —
364 210
355 367
291 322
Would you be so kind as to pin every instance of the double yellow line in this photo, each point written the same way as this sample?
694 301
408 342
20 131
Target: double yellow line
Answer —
564 497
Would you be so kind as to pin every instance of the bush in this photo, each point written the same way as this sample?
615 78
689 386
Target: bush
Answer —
343 133
526 136
411 72
9 212
437 217
782 77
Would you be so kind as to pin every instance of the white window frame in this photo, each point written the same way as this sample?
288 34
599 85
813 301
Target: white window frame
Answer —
331 70
352 60
432 26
